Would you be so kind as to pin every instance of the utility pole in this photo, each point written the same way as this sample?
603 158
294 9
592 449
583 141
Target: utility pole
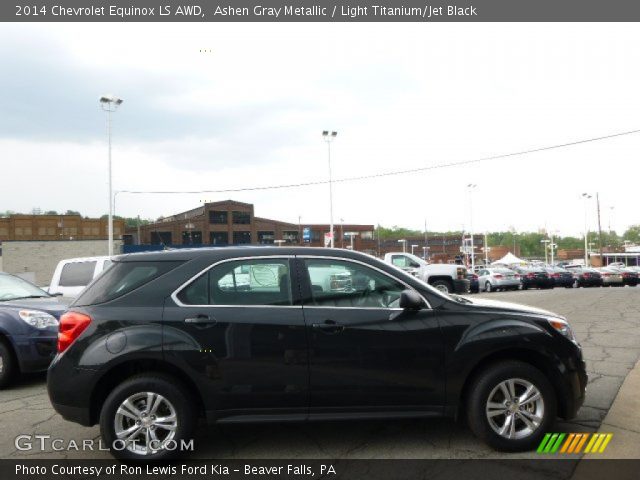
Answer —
138 225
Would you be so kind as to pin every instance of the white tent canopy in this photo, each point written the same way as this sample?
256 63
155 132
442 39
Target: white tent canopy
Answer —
509 259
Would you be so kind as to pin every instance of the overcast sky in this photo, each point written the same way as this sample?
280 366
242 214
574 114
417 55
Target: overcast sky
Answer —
250 110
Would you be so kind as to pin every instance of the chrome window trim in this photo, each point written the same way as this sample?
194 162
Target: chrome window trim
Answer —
174 295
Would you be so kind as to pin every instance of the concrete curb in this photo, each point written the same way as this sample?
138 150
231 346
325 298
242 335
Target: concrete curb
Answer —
623 420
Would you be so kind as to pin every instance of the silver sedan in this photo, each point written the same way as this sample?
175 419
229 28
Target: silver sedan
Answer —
491 279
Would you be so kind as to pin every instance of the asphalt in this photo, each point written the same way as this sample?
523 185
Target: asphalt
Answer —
605 320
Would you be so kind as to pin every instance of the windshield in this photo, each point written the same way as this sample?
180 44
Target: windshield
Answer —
13 288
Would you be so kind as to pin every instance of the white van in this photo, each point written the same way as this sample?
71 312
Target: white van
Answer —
73 274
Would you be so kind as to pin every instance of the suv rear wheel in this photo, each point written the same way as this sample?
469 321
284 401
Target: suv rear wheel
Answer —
511 406
147 417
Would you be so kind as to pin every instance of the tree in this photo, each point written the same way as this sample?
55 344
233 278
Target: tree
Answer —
632 234
72 212
51 212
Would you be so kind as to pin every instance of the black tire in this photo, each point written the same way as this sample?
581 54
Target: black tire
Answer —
172 390
442 285
482 386
487 287
8 365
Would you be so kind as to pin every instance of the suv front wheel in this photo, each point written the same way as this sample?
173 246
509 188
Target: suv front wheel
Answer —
147 417
511 405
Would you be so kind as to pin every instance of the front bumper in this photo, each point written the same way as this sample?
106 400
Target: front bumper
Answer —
35 352
576 381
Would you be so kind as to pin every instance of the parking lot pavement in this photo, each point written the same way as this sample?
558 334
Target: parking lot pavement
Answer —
605 320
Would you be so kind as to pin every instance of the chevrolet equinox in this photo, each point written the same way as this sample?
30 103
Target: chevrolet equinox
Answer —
257 334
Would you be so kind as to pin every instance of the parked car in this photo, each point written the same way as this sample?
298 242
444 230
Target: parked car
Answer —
585 276
28 327
72 275
474 283
443 276
155 342
611 277
492 279
535 277
561 276
630 276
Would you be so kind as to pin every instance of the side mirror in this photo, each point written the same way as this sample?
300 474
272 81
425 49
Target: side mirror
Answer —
411 300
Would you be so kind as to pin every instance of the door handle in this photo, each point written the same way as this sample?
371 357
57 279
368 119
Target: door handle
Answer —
200 319
328 327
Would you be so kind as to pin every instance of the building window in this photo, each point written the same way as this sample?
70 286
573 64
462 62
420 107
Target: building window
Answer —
241 218
218 217
219 238
241 238
290 236
161 238
316 235
191 238
265 238
367 235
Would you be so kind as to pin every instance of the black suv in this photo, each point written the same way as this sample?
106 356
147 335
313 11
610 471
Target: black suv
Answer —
246 334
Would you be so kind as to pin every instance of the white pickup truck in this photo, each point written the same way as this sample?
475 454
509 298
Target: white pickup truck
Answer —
443 276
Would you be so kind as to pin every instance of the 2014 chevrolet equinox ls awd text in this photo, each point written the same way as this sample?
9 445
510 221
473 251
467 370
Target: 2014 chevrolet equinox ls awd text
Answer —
252 334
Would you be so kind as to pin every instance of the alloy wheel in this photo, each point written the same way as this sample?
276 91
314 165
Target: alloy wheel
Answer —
145 422
515 408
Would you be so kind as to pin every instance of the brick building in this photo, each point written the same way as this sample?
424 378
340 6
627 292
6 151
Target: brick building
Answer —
56 227
234 223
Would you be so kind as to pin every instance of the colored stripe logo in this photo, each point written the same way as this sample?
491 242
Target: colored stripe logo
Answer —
574 443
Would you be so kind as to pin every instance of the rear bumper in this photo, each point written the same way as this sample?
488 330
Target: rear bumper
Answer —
461 285
535 283
74 414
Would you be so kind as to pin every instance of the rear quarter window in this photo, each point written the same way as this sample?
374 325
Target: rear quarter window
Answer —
121 278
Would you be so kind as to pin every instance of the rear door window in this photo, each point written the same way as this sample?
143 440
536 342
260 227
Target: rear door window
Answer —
122 278
241 282
77 274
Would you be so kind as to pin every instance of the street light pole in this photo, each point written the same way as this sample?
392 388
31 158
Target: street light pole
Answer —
585 197
546 250
329 137
110 104
471 186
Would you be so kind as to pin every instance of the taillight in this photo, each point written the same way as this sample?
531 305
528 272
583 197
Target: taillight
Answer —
531 275
607 274
474 276
586 275
72 324
497 276
517 275
555 275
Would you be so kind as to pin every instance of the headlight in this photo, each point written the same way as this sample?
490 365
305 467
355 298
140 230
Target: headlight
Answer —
562 326
38 319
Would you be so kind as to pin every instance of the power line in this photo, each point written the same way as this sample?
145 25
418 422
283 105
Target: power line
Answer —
392 173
